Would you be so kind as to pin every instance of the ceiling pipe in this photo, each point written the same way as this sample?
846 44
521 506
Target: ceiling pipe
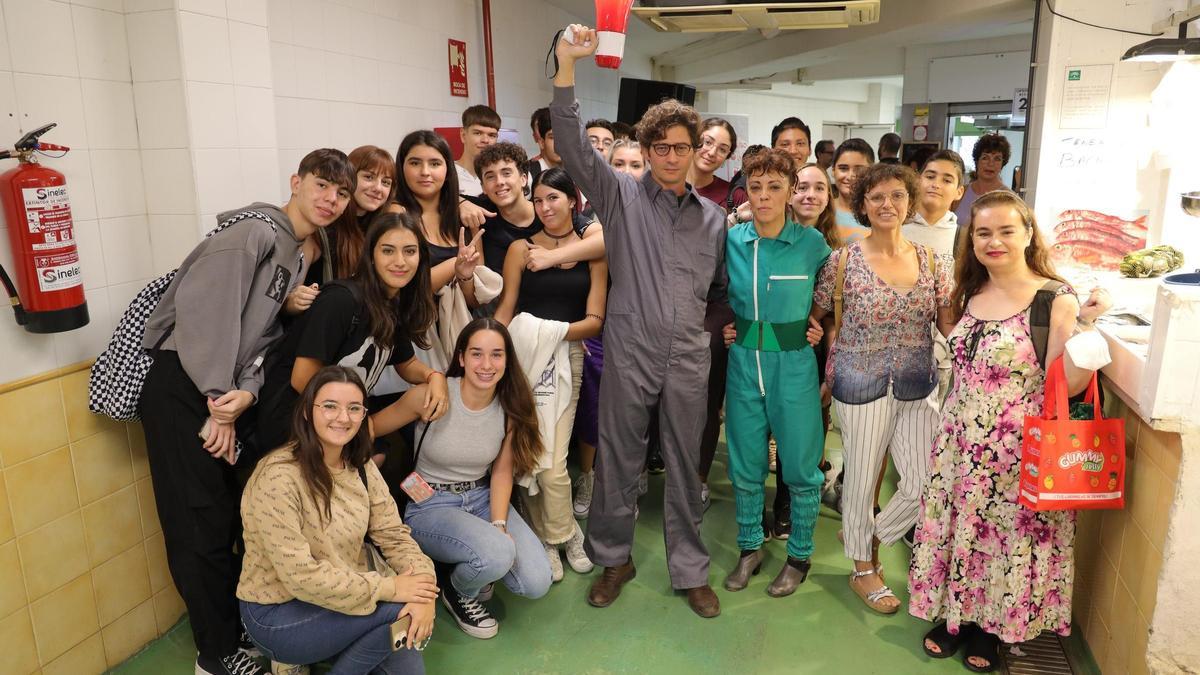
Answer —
487 53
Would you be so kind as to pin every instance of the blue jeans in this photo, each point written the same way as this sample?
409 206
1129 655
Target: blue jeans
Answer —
302 633
457 529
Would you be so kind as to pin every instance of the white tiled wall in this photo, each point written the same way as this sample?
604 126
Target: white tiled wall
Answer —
81 79
372 73
176 110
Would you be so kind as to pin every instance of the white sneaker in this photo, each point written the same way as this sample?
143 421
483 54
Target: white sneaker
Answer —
583 494
576 556
643 482
556 568
705 498
288 669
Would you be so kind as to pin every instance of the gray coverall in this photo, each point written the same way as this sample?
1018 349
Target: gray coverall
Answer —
665 259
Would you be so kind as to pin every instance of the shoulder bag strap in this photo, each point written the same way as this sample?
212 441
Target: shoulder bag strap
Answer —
839 284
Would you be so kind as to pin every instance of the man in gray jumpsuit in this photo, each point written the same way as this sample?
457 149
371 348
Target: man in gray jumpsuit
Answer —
666 247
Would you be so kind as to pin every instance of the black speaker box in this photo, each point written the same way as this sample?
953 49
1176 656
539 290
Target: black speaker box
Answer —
637 95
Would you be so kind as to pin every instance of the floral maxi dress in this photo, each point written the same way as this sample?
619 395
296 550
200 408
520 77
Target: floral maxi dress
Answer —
979 556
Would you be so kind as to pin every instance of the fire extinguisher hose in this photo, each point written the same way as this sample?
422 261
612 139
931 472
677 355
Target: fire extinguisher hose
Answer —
13 298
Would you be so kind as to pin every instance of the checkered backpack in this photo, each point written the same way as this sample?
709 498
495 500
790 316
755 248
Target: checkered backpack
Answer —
115 384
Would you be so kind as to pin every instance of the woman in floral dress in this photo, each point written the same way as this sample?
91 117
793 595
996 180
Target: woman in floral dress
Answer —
985 567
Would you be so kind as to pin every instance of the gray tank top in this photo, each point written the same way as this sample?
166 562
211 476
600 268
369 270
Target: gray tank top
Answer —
462 445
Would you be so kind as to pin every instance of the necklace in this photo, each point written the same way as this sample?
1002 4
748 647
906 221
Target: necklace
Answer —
557 237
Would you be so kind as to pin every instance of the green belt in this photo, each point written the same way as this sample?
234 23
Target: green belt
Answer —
766 336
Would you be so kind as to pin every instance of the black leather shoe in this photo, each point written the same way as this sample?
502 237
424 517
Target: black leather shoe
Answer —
794 572
748 565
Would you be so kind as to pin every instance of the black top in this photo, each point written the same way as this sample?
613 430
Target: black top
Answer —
499 234
556 294
335 330
440 254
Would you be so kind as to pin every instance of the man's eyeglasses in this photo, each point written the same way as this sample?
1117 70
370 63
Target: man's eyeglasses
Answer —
663 149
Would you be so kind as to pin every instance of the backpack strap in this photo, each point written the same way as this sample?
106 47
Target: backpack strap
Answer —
931 260
1039 318
839 285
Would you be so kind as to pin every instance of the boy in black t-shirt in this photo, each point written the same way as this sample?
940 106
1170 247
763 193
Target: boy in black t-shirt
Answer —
504 184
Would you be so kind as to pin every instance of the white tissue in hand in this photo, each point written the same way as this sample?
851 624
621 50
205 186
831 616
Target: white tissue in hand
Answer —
1089 350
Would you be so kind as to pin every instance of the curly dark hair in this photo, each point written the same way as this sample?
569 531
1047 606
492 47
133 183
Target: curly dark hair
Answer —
658 118
876 174
771 161
499 152
992 142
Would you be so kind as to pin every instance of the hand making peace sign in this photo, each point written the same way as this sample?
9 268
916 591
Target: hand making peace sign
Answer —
468 255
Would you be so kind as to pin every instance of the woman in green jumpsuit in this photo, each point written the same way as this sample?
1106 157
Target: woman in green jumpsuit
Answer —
772 263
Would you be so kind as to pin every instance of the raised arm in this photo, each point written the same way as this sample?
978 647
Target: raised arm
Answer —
598 181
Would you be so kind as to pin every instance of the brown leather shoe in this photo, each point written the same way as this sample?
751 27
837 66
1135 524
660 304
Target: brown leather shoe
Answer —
703 601
606 588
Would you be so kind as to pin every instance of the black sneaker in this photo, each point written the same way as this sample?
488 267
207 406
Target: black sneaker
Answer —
247 646
783 522
768 527
655 464
471 616
910 537
237 663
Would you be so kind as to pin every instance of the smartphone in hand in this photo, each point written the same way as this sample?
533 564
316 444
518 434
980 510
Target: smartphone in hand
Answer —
400 632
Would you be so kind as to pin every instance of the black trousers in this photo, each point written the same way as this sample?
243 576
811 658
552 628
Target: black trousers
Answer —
197 498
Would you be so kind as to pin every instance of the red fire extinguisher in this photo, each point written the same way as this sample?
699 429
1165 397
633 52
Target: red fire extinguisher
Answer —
42 235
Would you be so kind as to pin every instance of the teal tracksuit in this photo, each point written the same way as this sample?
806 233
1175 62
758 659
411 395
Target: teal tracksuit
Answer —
772 376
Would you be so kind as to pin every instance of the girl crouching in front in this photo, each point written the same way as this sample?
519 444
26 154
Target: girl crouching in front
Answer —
306 592
465 464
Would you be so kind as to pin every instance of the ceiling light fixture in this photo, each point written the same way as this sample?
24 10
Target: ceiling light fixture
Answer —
1180 48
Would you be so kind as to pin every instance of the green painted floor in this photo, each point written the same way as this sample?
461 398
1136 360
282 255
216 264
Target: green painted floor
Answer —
822 628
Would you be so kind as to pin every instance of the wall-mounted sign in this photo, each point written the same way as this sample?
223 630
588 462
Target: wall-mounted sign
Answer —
920 123
1086 91
458 68
1020 106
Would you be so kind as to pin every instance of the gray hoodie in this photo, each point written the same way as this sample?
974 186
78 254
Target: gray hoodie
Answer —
224 302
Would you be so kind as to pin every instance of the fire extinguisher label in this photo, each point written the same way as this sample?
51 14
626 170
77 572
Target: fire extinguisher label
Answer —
48 212
58 271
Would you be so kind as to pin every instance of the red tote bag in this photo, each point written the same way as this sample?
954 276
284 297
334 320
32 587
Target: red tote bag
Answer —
1071 464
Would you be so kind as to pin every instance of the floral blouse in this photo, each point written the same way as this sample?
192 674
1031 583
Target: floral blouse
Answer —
885 336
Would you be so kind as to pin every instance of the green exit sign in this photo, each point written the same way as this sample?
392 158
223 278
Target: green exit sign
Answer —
1073 75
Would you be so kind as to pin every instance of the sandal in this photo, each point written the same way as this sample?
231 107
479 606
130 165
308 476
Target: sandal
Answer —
873 598
982 645
947 643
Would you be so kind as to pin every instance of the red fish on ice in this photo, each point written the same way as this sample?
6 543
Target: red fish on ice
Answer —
1097 240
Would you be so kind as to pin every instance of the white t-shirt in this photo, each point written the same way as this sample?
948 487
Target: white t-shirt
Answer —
939 236
467 184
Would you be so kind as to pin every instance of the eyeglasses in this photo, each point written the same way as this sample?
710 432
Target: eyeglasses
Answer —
708 143
332 411
663 149
877 199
